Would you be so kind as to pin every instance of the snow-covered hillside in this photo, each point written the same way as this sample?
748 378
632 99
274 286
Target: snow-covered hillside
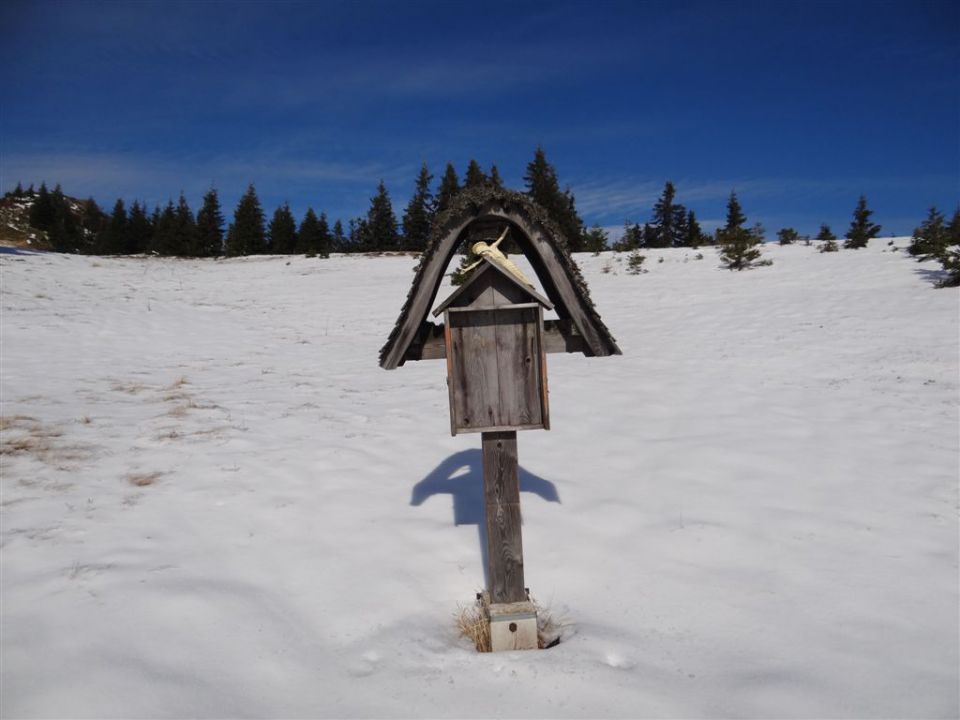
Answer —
215 503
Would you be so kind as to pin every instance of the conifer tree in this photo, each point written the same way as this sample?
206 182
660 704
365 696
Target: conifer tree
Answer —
596 240
735 217
693 236
313 238
950 259
138 229
474 176
418 217
338 239
631 239
449 187
282 231
112 239
669 219
380 231
165 241
18 191
787 236
825 233
827 238
861 229
739 247
42 211
544 187
635 262
495 178
247 235
93 221
356 235
186 237
326 240
210 226
932 238
64 232
953 229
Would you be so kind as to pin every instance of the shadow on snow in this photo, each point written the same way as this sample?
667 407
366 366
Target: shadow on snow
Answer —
461 475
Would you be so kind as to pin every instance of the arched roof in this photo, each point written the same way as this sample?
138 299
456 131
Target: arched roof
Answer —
541 242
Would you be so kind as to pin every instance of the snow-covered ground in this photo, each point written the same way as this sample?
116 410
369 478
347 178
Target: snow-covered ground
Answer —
215 503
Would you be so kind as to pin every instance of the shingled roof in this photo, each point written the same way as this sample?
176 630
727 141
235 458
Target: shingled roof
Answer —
541 242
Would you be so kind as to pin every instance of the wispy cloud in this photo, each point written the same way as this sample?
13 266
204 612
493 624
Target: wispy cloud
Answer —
154 179
634 199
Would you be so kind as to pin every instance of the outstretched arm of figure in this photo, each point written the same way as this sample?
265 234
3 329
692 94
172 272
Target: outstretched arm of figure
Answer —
502 236
471 267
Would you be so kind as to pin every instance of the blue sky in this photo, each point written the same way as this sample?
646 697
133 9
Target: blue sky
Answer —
799 107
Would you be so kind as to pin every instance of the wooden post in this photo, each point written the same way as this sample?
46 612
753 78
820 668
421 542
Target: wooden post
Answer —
501 491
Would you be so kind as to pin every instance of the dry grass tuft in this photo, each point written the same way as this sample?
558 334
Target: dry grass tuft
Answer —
179 382
473 624
8 422
143 479
131 388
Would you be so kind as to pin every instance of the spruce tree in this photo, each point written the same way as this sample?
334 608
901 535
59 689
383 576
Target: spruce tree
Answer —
42 211
418 217
64 233
739 247
139 230
953 229
932 238
112 240
93 221
474 176
669 219
631 239
544 187
950 259
338 239
495 178
827 238
165 240
186 237
18 191
210 226
326 240
787 236
693 235
380 232
313 238
596 240
449 187
247 235
282 231
635 262
861 229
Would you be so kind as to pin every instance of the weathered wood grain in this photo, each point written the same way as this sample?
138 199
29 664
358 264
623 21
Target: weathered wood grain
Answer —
501 490
558 337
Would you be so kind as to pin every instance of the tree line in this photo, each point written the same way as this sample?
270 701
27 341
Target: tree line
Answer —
175 230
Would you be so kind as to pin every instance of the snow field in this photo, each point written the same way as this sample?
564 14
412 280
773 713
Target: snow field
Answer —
215 503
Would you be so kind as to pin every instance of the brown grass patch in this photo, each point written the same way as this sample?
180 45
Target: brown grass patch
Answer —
13 421
143 479
132 388
179 382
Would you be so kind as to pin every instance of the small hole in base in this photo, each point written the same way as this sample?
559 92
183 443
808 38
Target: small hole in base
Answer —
513 627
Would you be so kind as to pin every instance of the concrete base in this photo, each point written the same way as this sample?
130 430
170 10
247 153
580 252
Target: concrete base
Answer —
513 626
